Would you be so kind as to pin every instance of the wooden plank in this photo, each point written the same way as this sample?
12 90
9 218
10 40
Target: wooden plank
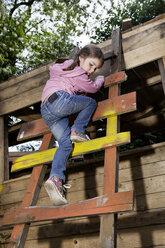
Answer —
125 239
126 24
144 54
117 202
49 230
115 106
93 182
6 153
2 150
25 85
153 198
108 222
78 240
143 37
153 80
79 148
114 79
144 26
15 80
151 236
32 129
161 63
26 99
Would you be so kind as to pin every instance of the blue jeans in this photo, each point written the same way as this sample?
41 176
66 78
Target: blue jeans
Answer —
56 116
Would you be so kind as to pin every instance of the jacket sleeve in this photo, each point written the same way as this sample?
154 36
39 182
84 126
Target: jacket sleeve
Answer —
89 86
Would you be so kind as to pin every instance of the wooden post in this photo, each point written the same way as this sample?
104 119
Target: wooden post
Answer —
108 221
6 152
161 63
2 149
126 24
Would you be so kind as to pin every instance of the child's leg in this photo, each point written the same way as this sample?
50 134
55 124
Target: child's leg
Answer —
86 107
61 132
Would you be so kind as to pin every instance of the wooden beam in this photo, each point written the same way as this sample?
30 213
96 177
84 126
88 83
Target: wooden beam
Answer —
161 63
117 202
79 148
114 79
126 24
2 150
108 222
153 80
6 153
116 106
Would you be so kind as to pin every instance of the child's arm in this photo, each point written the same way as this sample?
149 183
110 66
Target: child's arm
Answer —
89 86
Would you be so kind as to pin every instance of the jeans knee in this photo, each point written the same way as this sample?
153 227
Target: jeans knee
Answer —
93 102
66 144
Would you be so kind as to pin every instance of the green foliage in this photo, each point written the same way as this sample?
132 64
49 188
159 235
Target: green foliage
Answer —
139 11
34 32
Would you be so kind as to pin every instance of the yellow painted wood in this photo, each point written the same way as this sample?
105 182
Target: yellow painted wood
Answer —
79 148
1 187
111 125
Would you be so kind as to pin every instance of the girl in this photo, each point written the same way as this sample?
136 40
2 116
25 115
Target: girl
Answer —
59 100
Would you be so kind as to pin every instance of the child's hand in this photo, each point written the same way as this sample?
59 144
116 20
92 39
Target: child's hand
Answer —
99 80
100 77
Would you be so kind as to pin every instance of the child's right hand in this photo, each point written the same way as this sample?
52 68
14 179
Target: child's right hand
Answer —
100 77
99 80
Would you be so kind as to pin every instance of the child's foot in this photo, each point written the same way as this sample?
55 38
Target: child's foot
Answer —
78 137
54 188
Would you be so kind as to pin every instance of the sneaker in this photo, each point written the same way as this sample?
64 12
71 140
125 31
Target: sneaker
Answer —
54 188
78 137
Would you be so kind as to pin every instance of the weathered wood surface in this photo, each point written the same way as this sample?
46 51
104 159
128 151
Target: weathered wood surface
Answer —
108 229
142 169
79 149
118 202
145 44
142 44
161 63
114 79
2 149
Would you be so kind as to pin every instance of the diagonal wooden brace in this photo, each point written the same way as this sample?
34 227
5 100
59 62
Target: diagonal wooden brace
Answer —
117 202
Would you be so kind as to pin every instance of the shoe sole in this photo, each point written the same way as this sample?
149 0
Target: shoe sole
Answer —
54 194
75 139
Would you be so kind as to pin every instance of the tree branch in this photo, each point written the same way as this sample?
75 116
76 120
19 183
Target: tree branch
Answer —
17 5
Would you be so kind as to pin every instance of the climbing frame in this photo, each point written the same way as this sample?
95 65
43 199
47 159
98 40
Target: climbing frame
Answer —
110 202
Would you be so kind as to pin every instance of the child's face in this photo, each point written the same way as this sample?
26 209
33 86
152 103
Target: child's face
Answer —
89 64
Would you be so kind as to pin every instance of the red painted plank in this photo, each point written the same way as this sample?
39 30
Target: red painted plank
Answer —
118 202
32 129
115 78
116 106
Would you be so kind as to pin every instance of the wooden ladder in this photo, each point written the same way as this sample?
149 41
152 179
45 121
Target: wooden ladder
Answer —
111 201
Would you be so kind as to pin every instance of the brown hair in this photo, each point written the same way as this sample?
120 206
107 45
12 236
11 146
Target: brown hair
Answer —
91 51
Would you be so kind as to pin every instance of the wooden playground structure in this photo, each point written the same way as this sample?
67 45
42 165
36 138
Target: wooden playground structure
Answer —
117 199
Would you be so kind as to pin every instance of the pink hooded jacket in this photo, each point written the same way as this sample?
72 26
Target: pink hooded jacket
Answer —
73 81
